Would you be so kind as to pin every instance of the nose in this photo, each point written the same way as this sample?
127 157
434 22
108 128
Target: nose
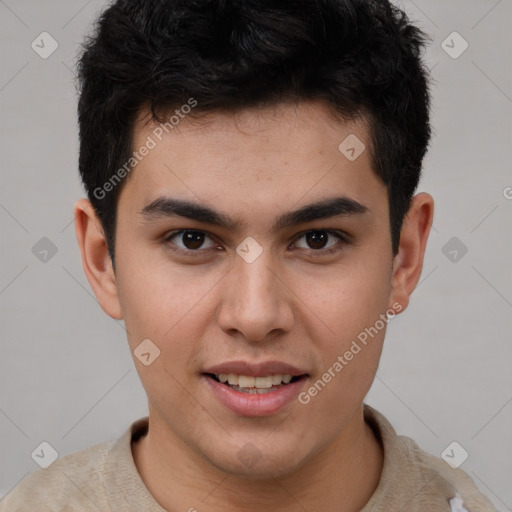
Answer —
256 300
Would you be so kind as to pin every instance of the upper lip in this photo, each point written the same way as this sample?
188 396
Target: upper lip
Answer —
255 369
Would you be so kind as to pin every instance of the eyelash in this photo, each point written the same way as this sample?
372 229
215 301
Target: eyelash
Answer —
342 237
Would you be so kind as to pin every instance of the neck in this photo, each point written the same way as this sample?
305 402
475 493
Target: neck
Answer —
342 477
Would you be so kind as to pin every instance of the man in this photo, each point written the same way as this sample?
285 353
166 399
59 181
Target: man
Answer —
250 169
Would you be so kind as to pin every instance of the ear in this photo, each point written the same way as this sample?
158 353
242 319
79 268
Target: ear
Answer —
96 260
408 263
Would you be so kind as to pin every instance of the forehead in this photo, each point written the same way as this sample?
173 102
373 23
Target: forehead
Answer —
260 157
313 119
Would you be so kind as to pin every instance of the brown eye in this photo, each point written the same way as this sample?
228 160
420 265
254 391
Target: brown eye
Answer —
191 240
317 240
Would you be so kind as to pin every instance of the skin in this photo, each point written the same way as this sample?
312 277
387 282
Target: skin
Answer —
288 305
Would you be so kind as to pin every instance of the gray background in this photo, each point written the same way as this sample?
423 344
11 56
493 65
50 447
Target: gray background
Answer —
66 374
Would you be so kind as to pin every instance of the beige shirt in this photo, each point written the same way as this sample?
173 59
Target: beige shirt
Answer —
104 478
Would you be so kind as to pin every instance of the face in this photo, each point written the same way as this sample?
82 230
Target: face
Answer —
248 289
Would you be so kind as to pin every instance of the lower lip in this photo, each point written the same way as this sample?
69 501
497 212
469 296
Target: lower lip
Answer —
257 404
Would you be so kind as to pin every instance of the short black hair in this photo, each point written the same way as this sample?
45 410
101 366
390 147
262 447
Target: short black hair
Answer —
362 57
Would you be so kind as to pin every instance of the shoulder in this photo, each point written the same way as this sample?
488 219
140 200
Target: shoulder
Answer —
72 483
415 480
466 497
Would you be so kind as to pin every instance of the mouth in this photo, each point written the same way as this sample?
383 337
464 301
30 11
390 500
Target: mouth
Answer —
254 389
255 385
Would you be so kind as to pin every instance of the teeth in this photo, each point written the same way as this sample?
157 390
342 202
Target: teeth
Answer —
245 381
263 382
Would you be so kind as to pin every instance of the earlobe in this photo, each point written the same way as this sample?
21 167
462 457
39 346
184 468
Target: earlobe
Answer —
408 263
96 260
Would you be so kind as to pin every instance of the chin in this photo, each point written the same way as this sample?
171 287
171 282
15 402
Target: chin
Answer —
251 463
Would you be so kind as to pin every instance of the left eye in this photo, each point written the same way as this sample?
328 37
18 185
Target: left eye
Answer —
317 240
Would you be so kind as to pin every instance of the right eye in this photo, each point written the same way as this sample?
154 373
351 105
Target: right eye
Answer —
192 240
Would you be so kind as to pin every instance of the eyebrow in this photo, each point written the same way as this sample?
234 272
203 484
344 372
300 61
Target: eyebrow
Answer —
164 207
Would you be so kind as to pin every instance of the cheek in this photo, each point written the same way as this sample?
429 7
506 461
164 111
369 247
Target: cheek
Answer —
164 307
346 301
350 304
350 348
163 302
